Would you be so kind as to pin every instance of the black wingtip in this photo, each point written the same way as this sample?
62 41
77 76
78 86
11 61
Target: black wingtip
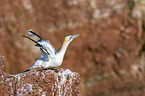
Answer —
31 31
29 38
37 44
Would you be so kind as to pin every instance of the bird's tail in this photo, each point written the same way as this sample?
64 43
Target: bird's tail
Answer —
29 69
26 70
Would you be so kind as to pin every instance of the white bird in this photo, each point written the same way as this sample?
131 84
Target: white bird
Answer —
50 58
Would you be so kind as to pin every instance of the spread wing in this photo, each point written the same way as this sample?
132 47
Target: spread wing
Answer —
43 54
49 48
37 44
46 48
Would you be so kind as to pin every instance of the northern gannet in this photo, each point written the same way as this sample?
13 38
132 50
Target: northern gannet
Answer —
50 58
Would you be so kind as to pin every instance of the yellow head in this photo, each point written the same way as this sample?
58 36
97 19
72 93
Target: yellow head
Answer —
67 40
70 38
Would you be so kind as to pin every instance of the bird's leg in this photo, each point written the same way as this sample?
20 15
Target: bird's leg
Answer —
56 70
52 69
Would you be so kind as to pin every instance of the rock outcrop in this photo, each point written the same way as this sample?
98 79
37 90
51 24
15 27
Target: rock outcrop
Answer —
57 82
109 54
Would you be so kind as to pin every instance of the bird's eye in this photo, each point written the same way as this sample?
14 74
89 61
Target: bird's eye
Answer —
70 37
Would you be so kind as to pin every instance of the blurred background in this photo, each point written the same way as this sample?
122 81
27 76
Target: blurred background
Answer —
108 54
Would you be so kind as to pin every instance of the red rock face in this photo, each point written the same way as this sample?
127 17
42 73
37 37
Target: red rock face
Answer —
42 82
108 53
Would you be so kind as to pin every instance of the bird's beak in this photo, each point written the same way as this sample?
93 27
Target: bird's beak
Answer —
74 36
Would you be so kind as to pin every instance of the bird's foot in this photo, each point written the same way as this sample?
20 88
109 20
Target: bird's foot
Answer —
53 69
50 69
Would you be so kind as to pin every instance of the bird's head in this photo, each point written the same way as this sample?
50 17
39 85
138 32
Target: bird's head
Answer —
70 38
